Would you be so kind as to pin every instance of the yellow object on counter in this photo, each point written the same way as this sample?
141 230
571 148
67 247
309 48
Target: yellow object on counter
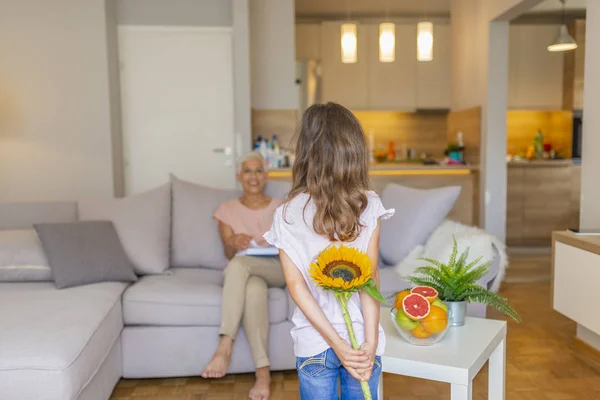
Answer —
530 153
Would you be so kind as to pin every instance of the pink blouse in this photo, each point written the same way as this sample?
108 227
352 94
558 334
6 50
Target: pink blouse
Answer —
247 221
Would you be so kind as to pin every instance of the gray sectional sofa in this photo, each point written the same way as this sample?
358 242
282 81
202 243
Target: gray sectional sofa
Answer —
76 343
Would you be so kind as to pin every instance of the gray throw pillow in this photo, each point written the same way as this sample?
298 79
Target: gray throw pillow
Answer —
195 240
85 252
418 213
22 258
278 189
143 222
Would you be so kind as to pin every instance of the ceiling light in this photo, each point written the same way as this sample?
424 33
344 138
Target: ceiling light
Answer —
349 42
425 41
387 42
564 41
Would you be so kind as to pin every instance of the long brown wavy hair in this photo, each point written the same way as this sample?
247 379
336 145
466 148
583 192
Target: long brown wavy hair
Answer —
331 166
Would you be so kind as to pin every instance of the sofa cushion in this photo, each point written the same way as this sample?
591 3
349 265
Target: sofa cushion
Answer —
24 215
85 252
143 222
195 239
22 257
186 297
418 213
278 189
53 341
391 282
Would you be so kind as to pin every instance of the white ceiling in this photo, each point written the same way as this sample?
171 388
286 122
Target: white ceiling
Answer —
371 7
555 5
375 8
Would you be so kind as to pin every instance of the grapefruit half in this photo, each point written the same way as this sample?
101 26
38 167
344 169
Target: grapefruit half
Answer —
415 306
426 291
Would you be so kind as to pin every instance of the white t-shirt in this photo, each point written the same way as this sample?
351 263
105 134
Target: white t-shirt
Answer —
292 231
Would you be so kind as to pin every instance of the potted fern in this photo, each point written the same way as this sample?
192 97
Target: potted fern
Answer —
456 284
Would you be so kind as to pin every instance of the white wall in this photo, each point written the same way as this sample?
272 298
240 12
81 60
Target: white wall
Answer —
175 12
590 189
241 75
272 55
55 123
480 78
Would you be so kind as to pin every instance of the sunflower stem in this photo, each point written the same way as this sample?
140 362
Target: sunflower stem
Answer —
343 298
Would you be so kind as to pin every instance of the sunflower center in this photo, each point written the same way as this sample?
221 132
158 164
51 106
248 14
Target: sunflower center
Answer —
342 269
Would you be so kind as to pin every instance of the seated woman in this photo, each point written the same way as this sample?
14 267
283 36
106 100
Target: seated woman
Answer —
245 289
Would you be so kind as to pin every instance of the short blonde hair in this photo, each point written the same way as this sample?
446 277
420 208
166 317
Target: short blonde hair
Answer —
251 155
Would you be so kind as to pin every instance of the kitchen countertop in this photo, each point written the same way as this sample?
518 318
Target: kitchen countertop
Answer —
543 163
588 243
401 169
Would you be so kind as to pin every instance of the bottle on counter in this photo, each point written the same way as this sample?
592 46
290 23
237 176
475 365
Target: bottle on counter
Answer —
276 159
371 147
539 145
262 148
391 151
461 147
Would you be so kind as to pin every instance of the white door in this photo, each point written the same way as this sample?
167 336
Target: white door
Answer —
177 103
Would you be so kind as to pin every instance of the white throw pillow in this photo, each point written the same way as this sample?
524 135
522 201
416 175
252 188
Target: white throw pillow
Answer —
22 258
143 223
411 262
439 246
418 213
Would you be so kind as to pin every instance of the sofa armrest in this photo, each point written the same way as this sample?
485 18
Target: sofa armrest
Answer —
489 279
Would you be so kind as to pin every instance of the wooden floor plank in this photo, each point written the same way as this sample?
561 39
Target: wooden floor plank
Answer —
541 362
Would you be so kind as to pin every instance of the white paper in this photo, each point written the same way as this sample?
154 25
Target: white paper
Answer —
256 250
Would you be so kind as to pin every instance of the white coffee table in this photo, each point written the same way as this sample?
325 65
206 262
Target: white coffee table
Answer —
456 359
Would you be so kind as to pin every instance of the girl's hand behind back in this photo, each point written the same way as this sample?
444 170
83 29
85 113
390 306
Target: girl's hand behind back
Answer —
370 348
353 360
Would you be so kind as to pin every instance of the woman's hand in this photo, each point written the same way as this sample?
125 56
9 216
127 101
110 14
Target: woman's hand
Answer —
355 361
240 242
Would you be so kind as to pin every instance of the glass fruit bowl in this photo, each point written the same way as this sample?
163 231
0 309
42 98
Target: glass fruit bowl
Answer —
424 332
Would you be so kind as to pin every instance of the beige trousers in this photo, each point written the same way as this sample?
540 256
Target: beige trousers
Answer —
245 300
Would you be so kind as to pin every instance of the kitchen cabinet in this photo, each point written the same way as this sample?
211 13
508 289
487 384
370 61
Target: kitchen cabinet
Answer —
308 41
434 78
392 85
535 74
541 197
368 84
343 83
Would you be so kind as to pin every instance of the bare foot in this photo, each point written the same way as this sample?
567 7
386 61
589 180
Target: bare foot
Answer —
217 367
262 386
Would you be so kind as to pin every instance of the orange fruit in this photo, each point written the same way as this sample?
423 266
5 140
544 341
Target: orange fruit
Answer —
420 333
426 291
399 297
436 321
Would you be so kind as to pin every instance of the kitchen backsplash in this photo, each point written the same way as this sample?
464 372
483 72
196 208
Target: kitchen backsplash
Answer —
282 123
423 133
556 126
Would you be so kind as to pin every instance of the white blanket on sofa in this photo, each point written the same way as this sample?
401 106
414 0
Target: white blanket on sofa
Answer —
439 247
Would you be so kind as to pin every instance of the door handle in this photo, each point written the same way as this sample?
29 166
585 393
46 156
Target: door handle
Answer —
224 150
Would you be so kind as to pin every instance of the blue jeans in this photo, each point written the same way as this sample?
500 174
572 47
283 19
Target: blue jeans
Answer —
318 377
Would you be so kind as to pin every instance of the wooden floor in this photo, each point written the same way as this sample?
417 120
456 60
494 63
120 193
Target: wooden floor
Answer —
541 364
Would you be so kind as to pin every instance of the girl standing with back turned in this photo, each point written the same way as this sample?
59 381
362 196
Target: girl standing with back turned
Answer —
330 204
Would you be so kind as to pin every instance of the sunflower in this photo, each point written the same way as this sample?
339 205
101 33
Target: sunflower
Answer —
341 269
345 270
